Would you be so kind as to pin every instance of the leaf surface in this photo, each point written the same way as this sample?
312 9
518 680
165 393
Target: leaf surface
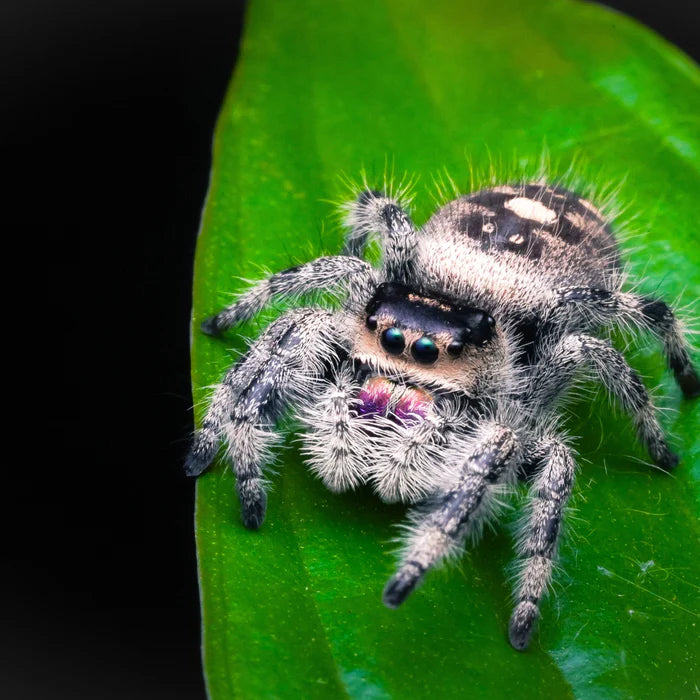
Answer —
329 89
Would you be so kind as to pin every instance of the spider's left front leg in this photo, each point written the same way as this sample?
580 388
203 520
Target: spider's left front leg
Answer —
459 512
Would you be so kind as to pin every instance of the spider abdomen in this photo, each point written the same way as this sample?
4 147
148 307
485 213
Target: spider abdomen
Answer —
515 245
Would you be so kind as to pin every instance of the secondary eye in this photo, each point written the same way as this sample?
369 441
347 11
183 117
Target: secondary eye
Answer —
371 323
393 341
454 349
424 350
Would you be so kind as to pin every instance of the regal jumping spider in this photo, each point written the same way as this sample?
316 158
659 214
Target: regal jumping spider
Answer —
438 379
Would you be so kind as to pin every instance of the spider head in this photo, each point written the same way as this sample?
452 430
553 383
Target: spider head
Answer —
429 339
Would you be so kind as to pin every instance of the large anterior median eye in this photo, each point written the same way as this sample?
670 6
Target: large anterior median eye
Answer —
393 341
424 350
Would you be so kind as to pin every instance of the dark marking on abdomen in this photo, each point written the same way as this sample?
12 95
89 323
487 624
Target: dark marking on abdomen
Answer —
505 231
508 226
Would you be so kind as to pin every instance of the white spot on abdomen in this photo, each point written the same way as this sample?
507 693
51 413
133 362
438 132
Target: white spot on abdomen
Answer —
580 221
530 209
585 203
504 189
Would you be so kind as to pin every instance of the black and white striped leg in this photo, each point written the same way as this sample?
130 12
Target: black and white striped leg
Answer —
458 513
327 273
278 369
375 213
549 494
648 313
556 370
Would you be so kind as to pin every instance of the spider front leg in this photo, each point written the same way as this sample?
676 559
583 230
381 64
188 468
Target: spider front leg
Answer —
352 274
374 212
648 313
549 494
279 369
458 512
556 370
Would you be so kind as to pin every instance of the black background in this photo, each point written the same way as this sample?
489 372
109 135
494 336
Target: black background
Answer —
108 114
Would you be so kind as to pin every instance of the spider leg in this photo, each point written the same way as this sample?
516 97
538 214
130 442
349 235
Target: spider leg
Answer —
374 212
278 369
407 458
556 370
457 512
352 274
549 494
334 440
402 458
650 314
408 467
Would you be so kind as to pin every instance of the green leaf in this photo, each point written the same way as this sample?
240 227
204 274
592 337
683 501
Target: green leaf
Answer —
324 89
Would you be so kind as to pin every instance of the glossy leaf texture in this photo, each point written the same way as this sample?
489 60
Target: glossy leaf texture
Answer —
330 89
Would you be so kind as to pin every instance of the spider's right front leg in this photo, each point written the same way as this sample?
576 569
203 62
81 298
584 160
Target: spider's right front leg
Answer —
279 367
458 512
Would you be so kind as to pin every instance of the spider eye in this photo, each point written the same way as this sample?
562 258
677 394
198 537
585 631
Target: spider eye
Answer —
424 350
371 323
454 349
393 341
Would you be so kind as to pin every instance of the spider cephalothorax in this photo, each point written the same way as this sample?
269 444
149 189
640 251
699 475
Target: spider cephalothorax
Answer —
438 379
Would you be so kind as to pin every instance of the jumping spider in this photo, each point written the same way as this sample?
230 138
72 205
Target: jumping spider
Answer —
438 379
